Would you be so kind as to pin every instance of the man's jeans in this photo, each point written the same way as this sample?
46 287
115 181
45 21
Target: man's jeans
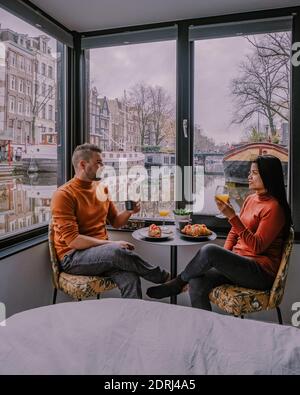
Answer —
123 266
213 266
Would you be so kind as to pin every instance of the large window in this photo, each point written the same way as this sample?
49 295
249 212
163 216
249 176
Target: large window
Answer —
28 138
131 94
241 109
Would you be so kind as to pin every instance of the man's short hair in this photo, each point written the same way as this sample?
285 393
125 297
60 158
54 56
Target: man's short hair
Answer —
84 152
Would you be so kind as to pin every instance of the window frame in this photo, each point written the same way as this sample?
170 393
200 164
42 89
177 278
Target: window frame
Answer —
185 54
278 18
74 112
143 35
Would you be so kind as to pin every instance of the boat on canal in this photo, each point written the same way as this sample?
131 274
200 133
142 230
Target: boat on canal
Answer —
237 161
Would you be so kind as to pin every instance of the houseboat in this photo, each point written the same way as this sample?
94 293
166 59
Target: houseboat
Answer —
237 161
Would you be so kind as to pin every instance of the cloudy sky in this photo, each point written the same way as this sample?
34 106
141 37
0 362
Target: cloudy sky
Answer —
216 63
9 21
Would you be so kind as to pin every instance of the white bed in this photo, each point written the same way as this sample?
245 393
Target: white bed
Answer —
118 336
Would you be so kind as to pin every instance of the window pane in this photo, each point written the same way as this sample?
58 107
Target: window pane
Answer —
241 109
30 123
132 119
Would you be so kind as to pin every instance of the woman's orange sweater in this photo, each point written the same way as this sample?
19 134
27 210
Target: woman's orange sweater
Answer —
258 232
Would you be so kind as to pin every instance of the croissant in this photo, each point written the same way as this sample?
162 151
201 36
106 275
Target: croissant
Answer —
196 230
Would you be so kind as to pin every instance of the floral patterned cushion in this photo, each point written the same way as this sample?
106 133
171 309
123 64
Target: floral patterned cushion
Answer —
78 287
238 301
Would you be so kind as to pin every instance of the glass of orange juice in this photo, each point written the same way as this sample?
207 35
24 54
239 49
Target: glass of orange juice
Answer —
163 211
222 194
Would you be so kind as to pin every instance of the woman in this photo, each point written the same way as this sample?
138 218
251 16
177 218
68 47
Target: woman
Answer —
252 251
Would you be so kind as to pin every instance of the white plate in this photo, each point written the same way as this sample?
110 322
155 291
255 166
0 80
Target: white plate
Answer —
212 236
164 236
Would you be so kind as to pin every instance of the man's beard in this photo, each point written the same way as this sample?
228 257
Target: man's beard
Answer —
94 177
98 175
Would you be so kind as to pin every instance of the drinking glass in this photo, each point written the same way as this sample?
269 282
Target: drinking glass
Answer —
222 194
163 211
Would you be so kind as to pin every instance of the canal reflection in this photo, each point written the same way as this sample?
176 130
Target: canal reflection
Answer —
25 201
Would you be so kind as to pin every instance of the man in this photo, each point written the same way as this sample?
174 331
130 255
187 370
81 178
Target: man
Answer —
80 209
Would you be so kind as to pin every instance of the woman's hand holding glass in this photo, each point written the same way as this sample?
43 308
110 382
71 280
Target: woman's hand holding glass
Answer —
222 201
226 209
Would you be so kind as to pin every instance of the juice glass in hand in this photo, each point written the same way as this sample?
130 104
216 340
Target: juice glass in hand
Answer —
223 195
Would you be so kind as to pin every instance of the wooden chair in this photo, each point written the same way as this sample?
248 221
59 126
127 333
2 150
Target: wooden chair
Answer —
239 301
76 286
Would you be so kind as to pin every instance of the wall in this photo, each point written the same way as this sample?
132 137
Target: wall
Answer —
25 278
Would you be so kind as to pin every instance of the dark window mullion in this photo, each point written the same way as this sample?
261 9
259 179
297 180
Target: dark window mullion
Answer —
79 96
192 91
294 133
62 87
79 104
183 144
70 112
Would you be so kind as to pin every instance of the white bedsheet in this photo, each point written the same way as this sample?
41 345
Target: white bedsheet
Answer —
119 336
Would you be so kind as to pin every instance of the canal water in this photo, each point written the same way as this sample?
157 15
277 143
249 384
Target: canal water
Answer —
25 200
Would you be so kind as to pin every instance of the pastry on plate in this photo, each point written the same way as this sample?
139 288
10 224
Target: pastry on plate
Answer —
196 230
154 231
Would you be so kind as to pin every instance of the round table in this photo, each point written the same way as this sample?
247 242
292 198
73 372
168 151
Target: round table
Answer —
173 242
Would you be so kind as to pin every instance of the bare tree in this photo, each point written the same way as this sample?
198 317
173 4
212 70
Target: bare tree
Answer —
42 93
38 103
276 45
161 111
263 87
170 133
139 101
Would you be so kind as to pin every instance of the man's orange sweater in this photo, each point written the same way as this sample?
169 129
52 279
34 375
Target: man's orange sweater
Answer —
77 208
258 232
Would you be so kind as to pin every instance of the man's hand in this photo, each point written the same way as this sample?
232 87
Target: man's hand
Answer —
124 244
136 209
225 208
122 218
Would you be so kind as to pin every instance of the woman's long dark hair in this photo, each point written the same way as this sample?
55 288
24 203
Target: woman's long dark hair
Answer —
271 173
